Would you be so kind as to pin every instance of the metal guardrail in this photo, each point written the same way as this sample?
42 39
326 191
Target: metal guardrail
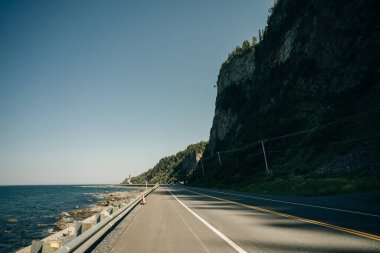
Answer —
88 235
136 185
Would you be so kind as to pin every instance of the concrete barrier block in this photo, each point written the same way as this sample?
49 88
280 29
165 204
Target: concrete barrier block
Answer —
104 215
86 226
78 228
51 246
36 246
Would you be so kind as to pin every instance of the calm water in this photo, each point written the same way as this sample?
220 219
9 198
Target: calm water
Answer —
37 208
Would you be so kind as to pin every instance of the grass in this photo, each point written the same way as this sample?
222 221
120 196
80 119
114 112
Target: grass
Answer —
314 186
377 198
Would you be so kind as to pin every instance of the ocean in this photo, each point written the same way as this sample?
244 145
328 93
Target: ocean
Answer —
35 209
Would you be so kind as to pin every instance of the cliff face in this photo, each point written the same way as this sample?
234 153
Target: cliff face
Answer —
231 95
316 76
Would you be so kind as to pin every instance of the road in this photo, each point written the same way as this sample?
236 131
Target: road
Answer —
184 219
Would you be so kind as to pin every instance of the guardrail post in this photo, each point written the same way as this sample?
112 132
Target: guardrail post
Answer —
78 228
51 246
36 246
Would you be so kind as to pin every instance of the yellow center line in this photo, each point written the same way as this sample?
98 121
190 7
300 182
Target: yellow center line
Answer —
323 224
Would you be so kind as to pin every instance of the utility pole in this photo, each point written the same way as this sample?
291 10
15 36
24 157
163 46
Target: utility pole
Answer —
265 157
220 163
202 167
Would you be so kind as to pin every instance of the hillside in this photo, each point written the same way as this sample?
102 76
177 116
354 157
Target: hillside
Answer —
309 88
174 168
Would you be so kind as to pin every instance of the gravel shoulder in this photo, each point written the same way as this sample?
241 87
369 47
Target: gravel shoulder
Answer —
108 242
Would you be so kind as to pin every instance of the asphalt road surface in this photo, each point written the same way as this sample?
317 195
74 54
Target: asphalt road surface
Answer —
185 219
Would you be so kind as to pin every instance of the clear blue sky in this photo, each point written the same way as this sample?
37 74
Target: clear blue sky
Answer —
91 91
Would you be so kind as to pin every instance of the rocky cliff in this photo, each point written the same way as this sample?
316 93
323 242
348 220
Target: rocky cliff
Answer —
310 89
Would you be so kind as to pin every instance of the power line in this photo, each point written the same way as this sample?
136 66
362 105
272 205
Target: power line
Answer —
325 125
305 130
249 158
324 145
351 117
237 149
244 157
373 110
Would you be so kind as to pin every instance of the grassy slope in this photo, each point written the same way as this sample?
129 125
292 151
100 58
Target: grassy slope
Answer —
313 186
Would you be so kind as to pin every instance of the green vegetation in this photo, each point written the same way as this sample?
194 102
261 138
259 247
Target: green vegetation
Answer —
313 186
241 50
174 168
377 198
246 45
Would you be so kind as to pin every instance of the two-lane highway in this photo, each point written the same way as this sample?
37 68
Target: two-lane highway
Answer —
184 219
349 216
164 225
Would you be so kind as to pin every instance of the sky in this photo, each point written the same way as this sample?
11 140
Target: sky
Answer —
92 91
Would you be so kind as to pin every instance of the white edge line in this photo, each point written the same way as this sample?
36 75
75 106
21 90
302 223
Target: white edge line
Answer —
287 202
225 238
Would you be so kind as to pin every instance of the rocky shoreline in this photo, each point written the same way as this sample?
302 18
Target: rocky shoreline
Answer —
67 219
64 229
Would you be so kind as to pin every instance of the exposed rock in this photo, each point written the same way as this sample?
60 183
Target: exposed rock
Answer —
64 214
12 220
82 213
63 223
67 219
237 71
318 62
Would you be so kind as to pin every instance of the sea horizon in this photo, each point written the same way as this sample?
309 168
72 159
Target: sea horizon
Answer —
63 184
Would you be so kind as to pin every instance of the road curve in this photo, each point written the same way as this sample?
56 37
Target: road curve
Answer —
181 219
